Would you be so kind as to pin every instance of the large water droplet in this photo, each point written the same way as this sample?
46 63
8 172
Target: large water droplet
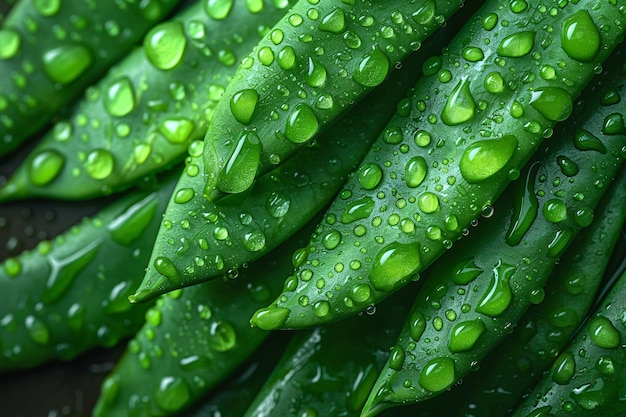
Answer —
47 7
415 171
242 105
9 43
176 129
517 44
119 99
301 124
465 272
370 175
603 333
525 206
465 335
484 158
45 167
394 264
499 294
357 209
166 267
437 374
563 368
218 9
460 106
254 241
580 38
240 170
373 69
222 336
173 394
99 164
316 74
333 22
66 63
37 330
554 103
165 45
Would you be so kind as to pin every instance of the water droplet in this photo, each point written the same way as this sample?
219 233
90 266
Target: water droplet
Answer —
554 103
370 175
586 141
254 241
357 209
465 272
555 210
316 73
99 164
568 167
580 38
437 374
278 204
394 264
361 293
165 44
166 267
301 124
173 394
517 44
47 7
176 130
37 330
559 242
396 358
119 99
415 171
9 43
373 69
321 308
564 368
465 335
499 294
603 333
66 63
614 124
494 83
45 167
286 58
331 239
473 54
460 106
428 202
484 158
222 336
242 105
333 22
240 170
425 13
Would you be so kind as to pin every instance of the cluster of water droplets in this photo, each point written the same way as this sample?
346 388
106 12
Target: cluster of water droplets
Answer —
136 121
341 52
